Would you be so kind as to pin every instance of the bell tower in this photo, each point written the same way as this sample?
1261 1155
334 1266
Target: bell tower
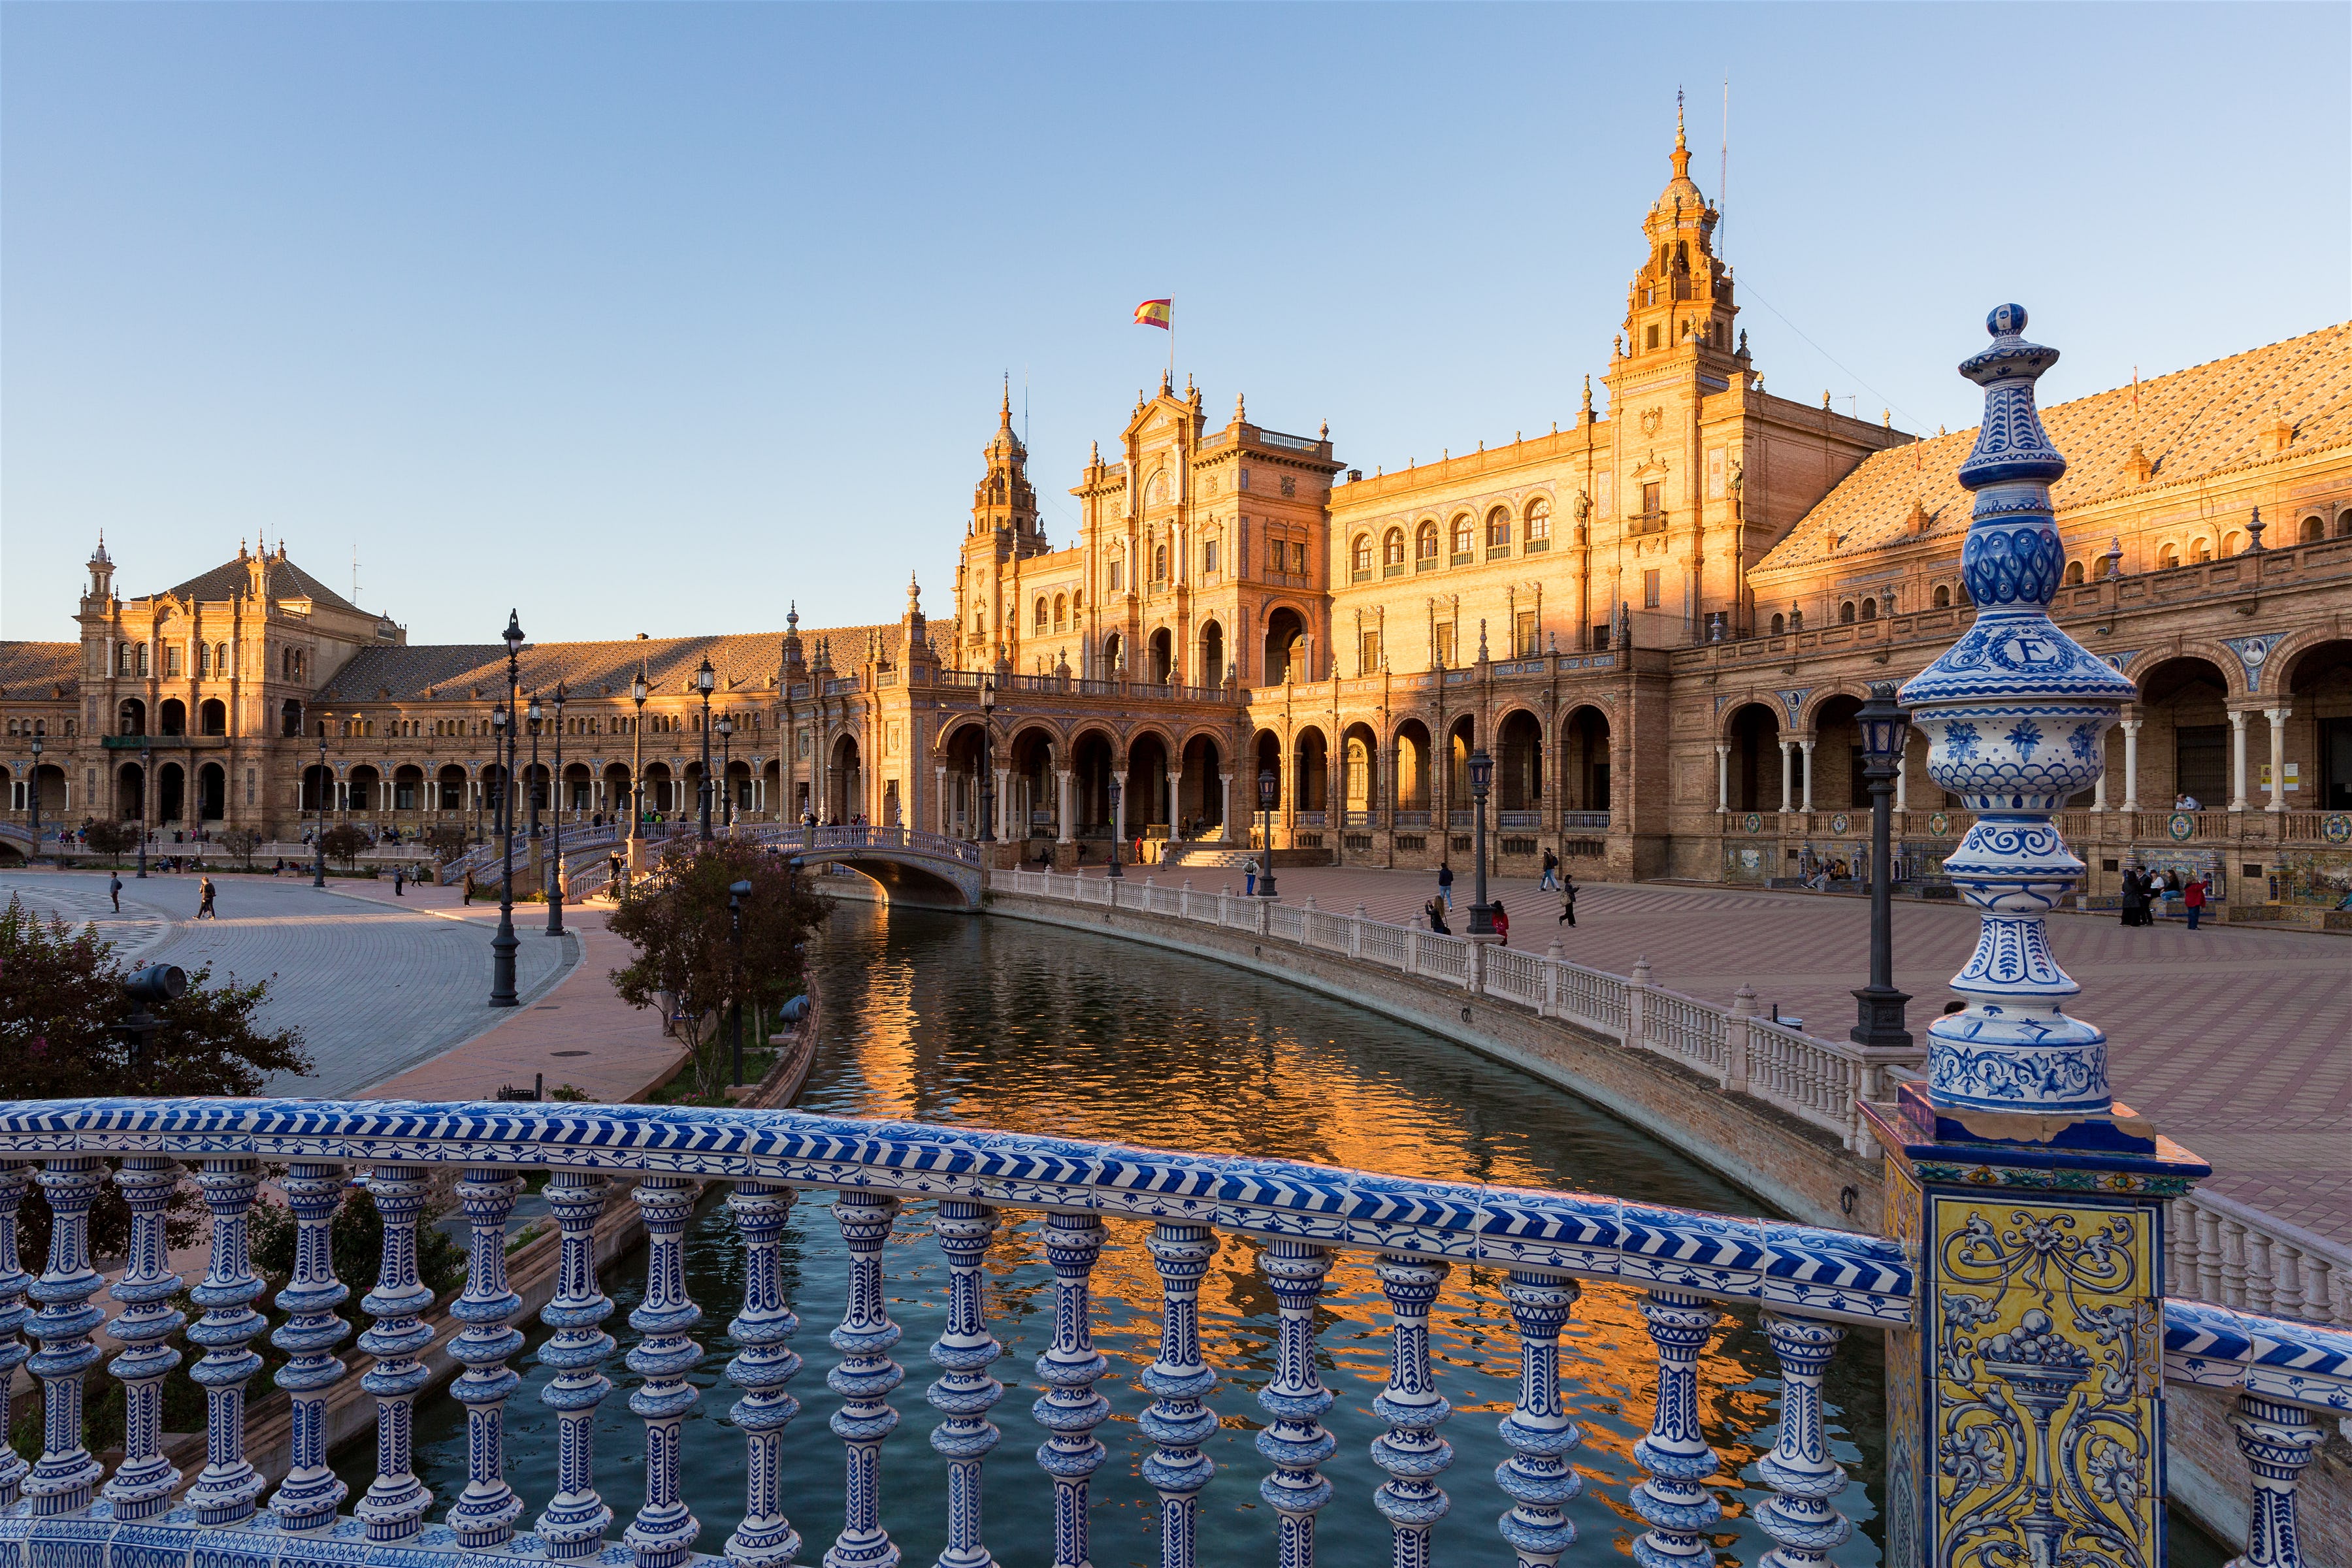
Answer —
1682 297
1003 502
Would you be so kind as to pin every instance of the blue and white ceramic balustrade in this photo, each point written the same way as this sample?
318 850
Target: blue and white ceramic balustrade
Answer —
1816 1287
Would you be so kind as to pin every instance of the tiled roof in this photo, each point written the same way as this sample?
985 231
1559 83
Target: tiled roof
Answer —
287 581
746 665
2193 424
36 669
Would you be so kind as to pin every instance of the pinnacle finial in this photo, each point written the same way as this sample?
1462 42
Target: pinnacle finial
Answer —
1241 409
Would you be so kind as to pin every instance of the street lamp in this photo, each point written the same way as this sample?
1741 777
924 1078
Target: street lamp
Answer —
637 692
987 771
146 772
1114 788
37 801
704 680
1481 776
503 946
319 844
727 769
736 893
1267 781
537 715
1878 1005
555 852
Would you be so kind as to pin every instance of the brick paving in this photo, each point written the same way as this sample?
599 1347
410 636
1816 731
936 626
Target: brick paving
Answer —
2236 1041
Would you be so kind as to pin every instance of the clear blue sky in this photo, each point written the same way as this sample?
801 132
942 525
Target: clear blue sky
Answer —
651 318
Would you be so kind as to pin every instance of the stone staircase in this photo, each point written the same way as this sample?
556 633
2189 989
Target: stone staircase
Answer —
1197 854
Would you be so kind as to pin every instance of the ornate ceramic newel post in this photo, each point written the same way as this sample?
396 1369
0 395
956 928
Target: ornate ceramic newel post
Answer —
14 1177
2024 1416
141 1486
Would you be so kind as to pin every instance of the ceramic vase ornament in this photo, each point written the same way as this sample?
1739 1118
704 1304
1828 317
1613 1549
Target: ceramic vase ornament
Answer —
2016 714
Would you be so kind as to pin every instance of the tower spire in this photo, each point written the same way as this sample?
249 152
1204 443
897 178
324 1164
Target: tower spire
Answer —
1681 143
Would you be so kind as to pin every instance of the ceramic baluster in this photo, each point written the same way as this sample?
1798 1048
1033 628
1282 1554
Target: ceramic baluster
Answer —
765 1538
963 1392
1537 1477
1295 1441
15 1178
2278 1440
66 1473
1678 1508
393 1507
662 1533
1410 1451
1069 1367
1800 1520
1179 1418
864 1379
576 1518
141 1486
311 1493
484 1512
229 1487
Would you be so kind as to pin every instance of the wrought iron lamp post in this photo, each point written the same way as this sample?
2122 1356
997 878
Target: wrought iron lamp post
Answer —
537 715
1879 1010
1481 778
147 771
36 801
704 680
1267 781
736 893
554 886
318 844
637 692
727 771
987 766
1115 825
503 946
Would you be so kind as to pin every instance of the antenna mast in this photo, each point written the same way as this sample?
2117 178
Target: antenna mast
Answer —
1723 180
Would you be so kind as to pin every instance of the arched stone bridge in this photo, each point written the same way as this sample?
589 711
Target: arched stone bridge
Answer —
929 870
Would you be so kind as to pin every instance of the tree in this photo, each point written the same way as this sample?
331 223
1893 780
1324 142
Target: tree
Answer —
446 840
61 1008
112 838
677 921
346 843
240 842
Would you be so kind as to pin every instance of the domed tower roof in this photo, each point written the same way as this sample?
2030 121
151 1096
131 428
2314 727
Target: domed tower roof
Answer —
1681 203
1004 446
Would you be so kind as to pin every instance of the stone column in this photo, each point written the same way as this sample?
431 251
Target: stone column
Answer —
1807 744
1062 805
939 772
1119 816
1787 785
1175 777
2237 759
2277 716
1003 801
2131 765
1723 775
1225 807
1903 785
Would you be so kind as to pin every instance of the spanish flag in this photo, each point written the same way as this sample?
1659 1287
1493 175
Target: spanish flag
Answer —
1154 313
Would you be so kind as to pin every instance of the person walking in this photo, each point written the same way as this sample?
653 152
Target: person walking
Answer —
2192 900
114 890
1550 872
1249 878
1567 901
469 890
2133 897
1445 882
1501 924
204 909
397 878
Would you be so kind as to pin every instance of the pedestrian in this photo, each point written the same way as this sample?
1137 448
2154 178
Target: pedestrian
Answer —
1502 923
1567 901
114 890
2184 801
1550 872
2132 901
2192 900
469 890
1445 882
1435 911
204 909
397 881
1249 878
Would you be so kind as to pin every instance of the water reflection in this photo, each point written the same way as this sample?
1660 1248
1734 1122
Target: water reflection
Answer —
947 1019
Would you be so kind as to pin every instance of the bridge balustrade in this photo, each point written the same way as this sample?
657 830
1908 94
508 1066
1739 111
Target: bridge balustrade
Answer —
1813 1287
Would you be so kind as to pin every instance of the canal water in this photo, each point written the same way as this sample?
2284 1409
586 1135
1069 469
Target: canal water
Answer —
1000 1024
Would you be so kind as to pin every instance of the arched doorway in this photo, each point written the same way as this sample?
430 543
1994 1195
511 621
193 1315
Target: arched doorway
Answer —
290 718
2184 745
1838 782
579 789
171 793
363 790
965 793
1213 654
213 716
1286 633
2319 729
130 718
449 786
212 793
661 791
1200 810
1090 765
1360 774
407 787
318 785
1163 657
1033 809
1412 772
1518 769
1113 654
1147 785
1460 740
1584 761
173 716
130 793
845 780
1310 774
1755 758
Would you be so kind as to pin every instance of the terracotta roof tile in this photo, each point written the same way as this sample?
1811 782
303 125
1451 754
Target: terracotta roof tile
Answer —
2192 424
36 669
746 664
231 579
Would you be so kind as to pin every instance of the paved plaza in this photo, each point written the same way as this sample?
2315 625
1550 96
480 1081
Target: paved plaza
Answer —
2236 1041
377 987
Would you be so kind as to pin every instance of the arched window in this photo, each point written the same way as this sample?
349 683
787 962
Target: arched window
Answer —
1538 523
1361 555
222 666
1943 599
1462 536
1160 563
1498 529
2232 541
1041 612
1061 610
1845 613
1424 546
2169 557
1779 624
203 659
2344 525
1078 602
2074 573
2201 550
1392 548
2314 530
1869 609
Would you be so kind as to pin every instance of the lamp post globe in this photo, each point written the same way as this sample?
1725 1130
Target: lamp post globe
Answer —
705 678
1482 779
727 769
318 844
1878 1007
1116 789
1268 781
554 882
987 761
